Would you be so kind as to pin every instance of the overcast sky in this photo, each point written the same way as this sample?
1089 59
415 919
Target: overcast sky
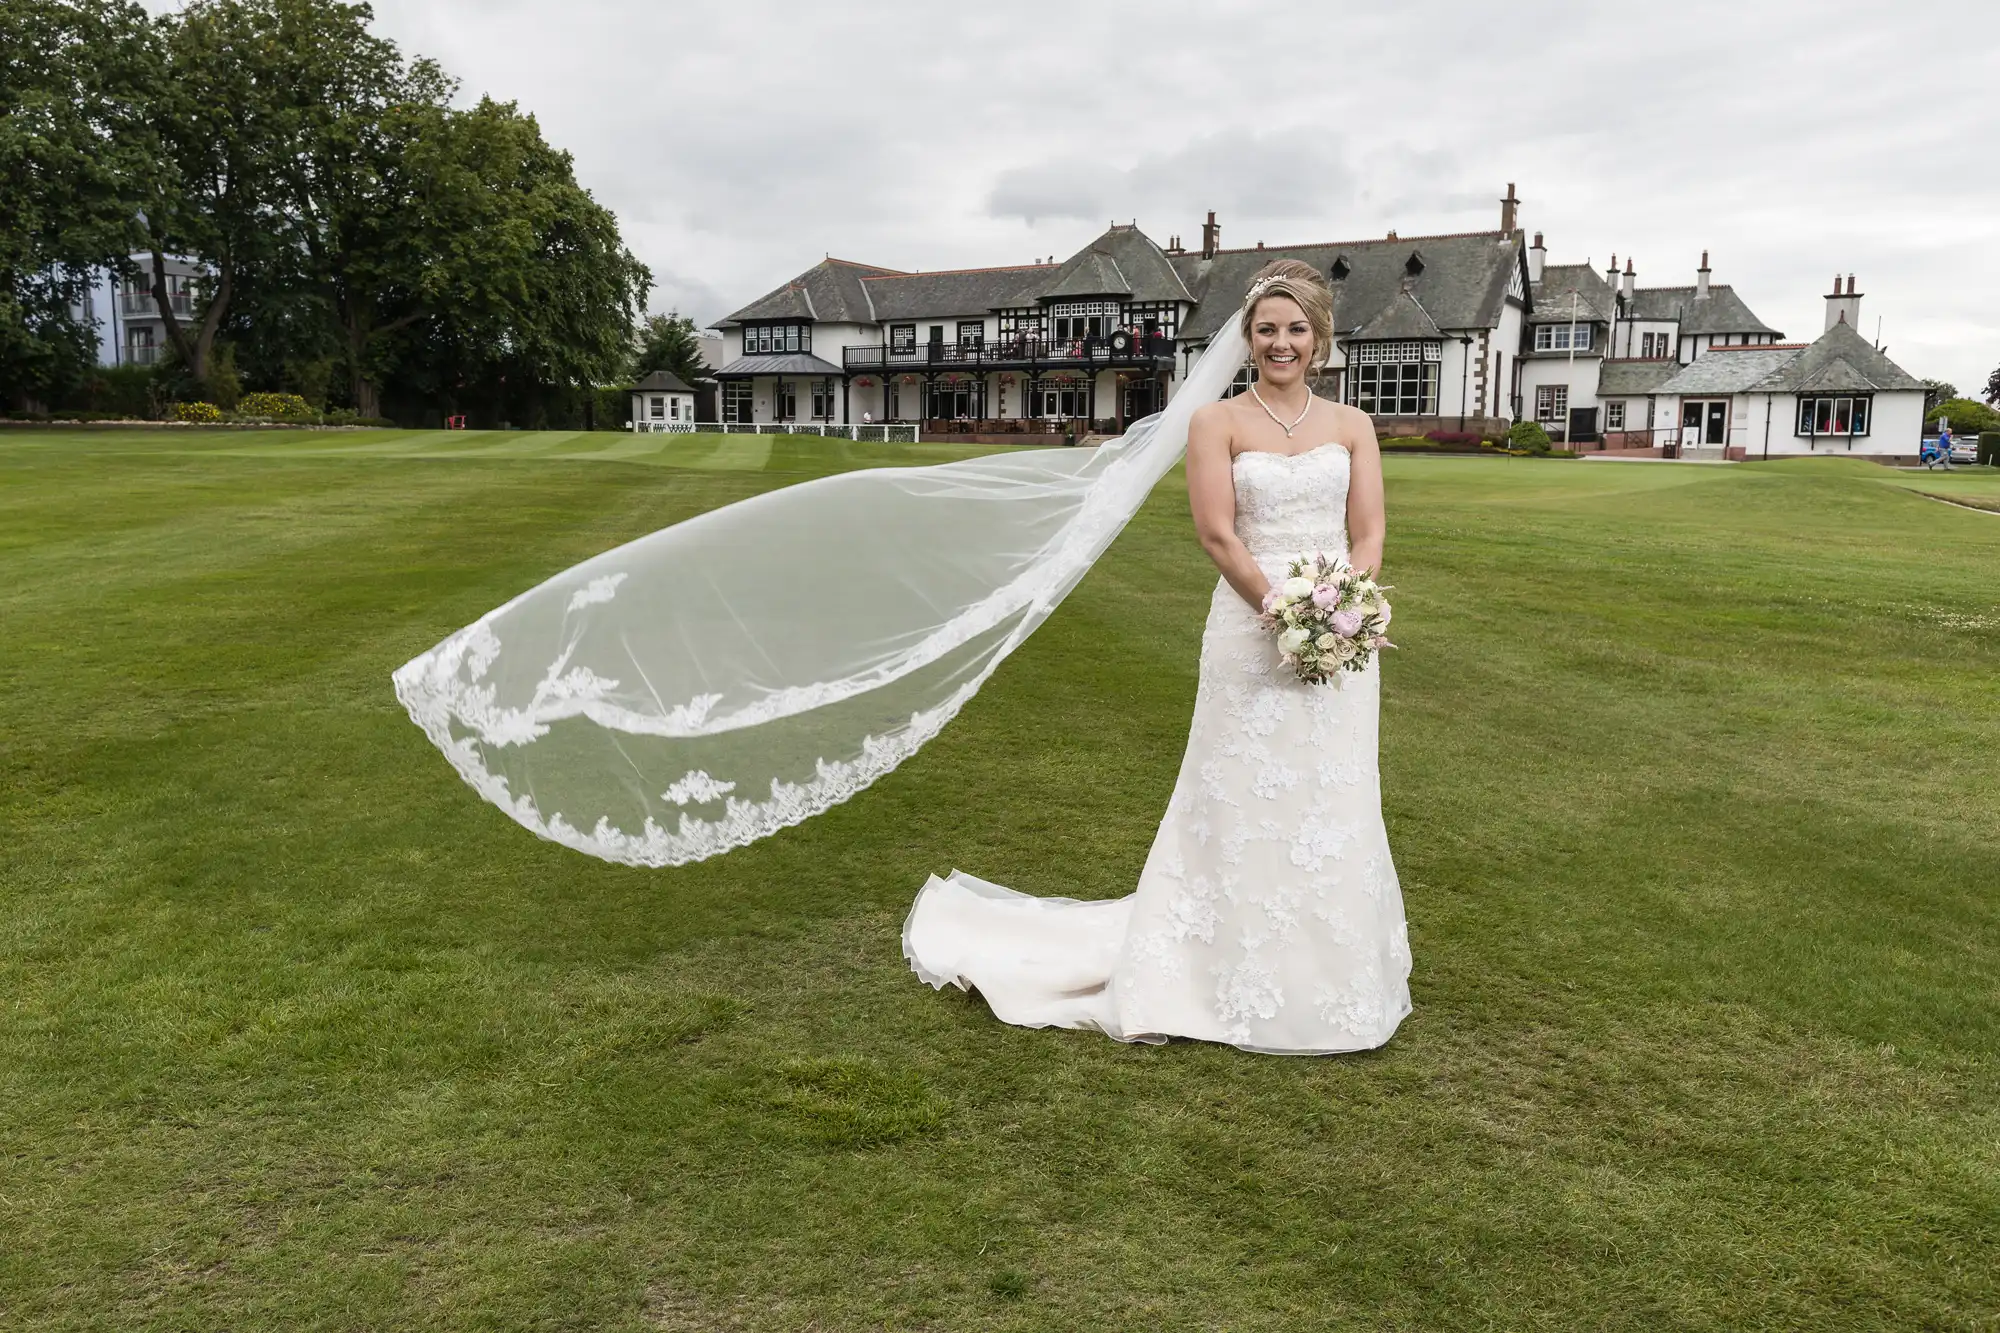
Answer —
739 142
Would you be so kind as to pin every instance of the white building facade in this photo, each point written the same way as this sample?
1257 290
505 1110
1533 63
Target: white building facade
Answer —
1466 332
1428 334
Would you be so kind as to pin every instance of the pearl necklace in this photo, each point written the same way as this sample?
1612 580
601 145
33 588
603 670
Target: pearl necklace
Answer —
1274 416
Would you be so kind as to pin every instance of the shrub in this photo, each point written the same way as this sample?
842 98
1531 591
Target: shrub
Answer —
1528 435
1967 417
276 406
1455 436
347 416
1410 444
200 413
1989 448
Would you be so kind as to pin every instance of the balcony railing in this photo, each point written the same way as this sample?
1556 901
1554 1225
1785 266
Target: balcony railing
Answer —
1115 349
142 304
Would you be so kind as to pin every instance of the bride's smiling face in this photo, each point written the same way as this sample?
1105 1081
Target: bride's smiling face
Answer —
1281 341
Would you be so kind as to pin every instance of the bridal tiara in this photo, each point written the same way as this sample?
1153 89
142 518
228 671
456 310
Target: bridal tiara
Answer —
1257 287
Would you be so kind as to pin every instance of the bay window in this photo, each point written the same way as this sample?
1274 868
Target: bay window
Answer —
1396 378
1833 416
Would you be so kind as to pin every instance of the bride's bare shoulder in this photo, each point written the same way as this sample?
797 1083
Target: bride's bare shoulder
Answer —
1354 425
1211 422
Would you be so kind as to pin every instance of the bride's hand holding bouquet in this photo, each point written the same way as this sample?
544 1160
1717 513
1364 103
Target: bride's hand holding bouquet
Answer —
1328 617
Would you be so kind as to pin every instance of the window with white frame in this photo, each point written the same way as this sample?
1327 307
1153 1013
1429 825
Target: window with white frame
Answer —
1552 403
657 409
971 332
1833 416
772 339
1561 337
674 409
1020 322
1082 319
1614 415
822 396
737 399
1395 378
1154 317
902 337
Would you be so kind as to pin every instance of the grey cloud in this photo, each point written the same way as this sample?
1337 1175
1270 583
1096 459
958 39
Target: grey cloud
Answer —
1282 176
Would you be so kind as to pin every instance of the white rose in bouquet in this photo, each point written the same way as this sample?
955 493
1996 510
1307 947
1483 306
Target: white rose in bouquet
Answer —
1293 639
1297 587
1326 640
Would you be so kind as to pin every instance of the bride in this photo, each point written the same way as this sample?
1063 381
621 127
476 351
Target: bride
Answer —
722 679
1268 914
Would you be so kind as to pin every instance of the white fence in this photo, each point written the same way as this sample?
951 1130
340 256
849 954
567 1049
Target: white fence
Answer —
892 434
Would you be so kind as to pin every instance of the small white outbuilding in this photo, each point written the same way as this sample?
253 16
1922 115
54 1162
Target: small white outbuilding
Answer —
1839 395
662 402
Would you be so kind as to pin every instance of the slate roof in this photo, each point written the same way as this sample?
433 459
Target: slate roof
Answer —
662 381
1089 273
1628 378
1594 298
829 291
1463 284
1721 311
1841 360
791 363
963 292
1122 262
1730 369
1403 317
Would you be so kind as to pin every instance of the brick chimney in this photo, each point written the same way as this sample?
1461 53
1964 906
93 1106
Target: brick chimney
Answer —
1611 274
1843 305
1701 277
1510 209
1631 278
1537 255
1211 236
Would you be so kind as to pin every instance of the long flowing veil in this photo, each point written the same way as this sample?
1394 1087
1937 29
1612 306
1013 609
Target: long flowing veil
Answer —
734 674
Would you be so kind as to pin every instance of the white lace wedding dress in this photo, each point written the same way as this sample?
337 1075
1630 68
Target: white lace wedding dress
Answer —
1268 915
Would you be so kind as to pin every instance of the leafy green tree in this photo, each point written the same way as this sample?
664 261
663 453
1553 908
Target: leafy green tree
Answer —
1993 388
75 76
221 125
1967 416
1938 391
667 342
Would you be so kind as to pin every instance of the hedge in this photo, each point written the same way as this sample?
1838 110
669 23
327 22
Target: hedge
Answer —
1989 448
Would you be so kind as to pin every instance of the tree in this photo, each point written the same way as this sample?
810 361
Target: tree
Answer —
667 342
74 77
220 126
526 279
1967 417
1938 391
1993 388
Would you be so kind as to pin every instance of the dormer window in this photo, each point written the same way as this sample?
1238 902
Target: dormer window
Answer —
1414 265
1556 337
1340 268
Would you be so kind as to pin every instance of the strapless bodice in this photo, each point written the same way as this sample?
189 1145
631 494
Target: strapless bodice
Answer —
1292 504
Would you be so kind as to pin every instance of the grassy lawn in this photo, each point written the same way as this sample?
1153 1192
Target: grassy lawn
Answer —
1690 773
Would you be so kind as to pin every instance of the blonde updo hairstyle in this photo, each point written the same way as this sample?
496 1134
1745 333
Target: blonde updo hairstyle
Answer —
1303 284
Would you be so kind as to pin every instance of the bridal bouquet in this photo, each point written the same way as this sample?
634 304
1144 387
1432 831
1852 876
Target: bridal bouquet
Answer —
1328 616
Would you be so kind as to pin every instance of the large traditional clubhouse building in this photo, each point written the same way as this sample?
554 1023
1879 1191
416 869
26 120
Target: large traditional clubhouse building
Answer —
1467 332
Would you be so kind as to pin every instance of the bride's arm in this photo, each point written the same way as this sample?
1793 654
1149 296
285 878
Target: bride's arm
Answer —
1212 498
1367 521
